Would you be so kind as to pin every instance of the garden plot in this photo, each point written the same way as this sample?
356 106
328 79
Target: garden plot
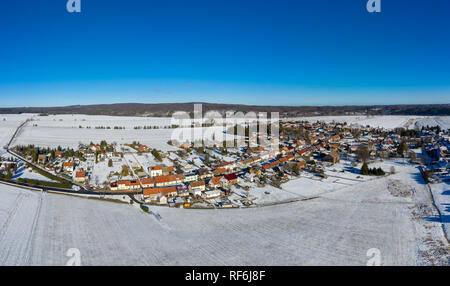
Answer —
26 173
101 171
147 160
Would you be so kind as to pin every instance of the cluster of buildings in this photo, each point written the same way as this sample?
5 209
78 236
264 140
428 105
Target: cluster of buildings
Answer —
302 146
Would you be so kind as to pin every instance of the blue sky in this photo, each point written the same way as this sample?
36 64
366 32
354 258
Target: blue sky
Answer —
263 52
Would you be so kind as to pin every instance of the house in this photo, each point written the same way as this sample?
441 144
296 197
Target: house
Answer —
227 165
156 171
231 179
81 177
191 177
147 182
334 138
59 154
143 148
127 185
196 188
215 182
220 171
169 180
185 146
168 170
68 166
266 167
275 163
211 194
159 194
204 173
95 147
42 159
183 191
332 157
301 164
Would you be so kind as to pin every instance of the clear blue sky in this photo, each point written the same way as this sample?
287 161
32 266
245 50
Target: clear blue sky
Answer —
264 52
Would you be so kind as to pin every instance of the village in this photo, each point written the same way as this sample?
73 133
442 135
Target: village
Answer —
223 177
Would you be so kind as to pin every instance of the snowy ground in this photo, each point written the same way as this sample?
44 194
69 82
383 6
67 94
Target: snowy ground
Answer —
63 130
387 121
8 125
26 173
71 137
335 229
441 193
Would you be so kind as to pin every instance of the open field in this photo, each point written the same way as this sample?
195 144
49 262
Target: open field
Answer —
8 125
63 130
337 228
343 217
387 121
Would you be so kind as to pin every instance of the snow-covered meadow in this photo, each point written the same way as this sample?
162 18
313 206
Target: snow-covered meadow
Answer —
386 121
65 131
337 228
8 125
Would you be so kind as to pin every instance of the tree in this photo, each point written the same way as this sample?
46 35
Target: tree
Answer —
9 175
365 169
296 169
356 132
125 171
157 155
362 153
110 163
402 147
413 156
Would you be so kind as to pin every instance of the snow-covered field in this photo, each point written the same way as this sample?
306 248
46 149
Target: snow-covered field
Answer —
441 193
63 130
8 125
338 228
388 122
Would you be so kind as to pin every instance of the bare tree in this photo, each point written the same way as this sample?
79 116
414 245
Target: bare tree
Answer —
362 153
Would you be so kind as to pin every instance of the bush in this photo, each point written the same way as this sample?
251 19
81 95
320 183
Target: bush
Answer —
392 171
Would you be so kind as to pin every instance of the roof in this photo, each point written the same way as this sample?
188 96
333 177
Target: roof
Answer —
197 184
80 174
230 177
128 183
169 178
220 171
147 181
163 191
216 180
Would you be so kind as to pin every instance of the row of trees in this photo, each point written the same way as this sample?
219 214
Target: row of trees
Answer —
365 170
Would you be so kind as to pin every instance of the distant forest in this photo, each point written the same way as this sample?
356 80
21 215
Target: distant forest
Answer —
167 109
